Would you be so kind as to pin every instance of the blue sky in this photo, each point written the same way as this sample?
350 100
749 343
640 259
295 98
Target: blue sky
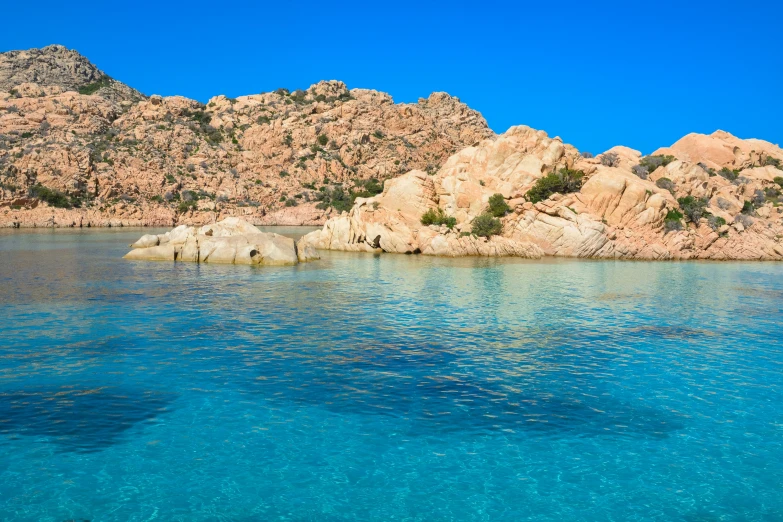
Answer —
640 74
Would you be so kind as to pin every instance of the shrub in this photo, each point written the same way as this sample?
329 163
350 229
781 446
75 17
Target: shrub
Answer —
378 134
336 198
438 217
92 88
747 208
610 159
673 220
184 206
715 222
778 180
170 179
758 198
323 140
498 206
693 208
745 220
770 161
707 169
485 225
53 197
564 181
653 162
369 188
283 174
666 184
263 119
587 155
729 174
640 171
290 202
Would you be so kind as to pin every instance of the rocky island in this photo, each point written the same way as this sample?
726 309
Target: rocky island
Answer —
81 149
526 194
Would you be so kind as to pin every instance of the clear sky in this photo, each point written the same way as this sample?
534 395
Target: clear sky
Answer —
640 74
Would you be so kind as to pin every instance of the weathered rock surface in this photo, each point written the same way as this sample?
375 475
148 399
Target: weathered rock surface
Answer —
283 157
231 241
615 214
31 72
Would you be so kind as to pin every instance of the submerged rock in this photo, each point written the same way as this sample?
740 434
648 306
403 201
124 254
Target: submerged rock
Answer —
231 241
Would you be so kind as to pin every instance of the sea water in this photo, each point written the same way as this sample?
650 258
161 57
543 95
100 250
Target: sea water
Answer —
385 387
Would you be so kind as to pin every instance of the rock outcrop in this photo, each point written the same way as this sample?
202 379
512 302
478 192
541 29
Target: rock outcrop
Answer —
54 69
231 241
285 158
621 209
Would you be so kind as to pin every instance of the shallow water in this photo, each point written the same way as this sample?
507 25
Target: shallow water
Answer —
392 387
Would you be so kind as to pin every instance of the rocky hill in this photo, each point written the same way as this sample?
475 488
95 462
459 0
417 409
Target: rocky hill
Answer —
62 69
96 159
526 194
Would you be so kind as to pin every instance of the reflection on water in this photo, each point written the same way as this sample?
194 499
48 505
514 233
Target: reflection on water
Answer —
367 387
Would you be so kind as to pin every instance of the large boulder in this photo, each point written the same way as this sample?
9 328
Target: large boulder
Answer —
231 241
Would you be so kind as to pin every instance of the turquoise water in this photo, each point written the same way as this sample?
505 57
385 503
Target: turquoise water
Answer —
390 387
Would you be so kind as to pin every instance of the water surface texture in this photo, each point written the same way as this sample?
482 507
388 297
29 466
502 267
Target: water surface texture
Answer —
392 387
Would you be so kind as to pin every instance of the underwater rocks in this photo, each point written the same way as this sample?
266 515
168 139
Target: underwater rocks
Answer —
231 241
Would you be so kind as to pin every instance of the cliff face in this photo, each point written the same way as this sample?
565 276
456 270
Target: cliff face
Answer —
705 197
278 158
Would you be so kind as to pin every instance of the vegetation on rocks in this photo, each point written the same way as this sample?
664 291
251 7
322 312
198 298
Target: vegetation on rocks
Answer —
610 159
437 216
498 206
54 198
94 87
486 225
673 220
666 184
693 208
650 163
563 181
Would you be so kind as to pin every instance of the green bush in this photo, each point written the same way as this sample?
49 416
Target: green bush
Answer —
729 174
438 217
715 222
92 88
666 184
369 188
673 220
53 197
770 161
778 180
323 140
564 181
290 202
693 208
747 208
378 134
335 197
653 162
498 206
486 225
